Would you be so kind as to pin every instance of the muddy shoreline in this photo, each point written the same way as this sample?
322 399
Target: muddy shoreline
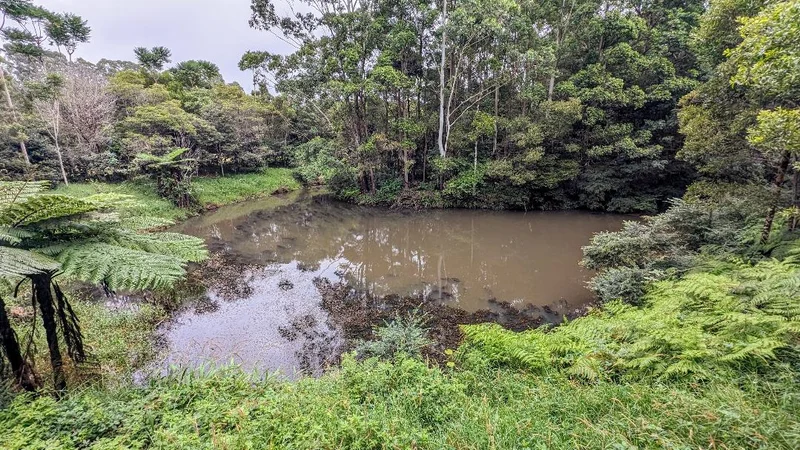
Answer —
342 315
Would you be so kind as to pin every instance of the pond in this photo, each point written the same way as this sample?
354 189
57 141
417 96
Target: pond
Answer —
294 279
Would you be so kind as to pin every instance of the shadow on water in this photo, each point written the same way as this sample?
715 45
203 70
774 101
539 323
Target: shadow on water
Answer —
295 279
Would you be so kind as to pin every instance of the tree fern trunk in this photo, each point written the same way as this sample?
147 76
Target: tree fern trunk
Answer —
44 297
23 372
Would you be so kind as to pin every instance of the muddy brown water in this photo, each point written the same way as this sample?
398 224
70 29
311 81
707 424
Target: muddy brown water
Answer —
279 264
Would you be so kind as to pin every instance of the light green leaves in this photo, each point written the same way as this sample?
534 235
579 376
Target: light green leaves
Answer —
768 58
777 131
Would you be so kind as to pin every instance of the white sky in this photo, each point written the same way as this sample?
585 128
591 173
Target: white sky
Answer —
213 30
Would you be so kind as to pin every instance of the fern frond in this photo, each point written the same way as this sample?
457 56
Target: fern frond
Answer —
18 191
15 262
119 268
181 246
41 208
587 368
13 236
145 223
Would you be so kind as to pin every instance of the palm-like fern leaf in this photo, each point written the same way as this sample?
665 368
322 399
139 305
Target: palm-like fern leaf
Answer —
41 208
18 191
188 248
119 268
13 236
17 263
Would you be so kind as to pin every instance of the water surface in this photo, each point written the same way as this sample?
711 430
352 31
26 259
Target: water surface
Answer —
462 257
264 310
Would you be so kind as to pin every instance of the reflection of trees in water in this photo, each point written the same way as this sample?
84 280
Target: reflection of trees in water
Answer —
379 250
321 347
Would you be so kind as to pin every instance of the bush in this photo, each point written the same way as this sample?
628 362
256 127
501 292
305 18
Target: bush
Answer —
623 283
464 189
407 335
316 161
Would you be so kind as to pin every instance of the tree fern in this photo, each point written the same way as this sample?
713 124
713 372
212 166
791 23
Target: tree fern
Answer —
17 191
16 263
181 246
41 208
43 234
119 267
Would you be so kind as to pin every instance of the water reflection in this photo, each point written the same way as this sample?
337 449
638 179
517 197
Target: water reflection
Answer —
294 280
461 258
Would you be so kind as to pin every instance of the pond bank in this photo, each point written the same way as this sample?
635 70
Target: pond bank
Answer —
210 192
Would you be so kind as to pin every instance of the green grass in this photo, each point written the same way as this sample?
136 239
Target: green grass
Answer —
406 404
217 191
231 189
119 341
147 201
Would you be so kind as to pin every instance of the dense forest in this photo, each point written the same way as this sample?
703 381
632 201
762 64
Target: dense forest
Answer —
685 110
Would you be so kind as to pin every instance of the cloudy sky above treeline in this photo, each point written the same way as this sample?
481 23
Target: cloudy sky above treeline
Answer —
213 30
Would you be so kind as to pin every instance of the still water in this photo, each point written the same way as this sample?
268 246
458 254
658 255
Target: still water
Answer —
266 309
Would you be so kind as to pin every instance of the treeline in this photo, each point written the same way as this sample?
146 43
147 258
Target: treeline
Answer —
71 120
507 104
605 105
602 105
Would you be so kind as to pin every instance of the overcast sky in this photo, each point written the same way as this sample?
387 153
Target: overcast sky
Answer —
213 30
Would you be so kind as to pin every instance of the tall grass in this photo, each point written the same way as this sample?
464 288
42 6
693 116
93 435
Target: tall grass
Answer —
235 188
406 404
216 191
147 201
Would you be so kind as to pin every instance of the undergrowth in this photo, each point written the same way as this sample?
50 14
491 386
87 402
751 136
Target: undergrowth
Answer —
407 404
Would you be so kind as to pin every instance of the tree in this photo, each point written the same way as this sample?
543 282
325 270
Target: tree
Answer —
68 30
87 108
47 104
49 235
777 132
766 62
173 174
153 59
196 74
16 11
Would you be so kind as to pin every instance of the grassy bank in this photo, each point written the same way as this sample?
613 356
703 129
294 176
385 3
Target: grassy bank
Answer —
209 191
221 191
406 404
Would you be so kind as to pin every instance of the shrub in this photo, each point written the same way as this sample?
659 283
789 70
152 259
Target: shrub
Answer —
623 283
407 335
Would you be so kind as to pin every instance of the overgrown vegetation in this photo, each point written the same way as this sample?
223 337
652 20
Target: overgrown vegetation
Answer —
688 108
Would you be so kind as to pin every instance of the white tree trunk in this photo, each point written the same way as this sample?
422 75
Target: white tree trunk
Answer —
56 129
23 148
442 146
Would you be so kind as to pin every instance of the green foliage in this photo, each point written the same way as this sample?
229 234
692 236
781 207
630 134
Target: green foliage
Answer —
777 131
172 173
316 161
406 335
768 56
146 204
90 244
627 284
734 319
231 189
405 404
